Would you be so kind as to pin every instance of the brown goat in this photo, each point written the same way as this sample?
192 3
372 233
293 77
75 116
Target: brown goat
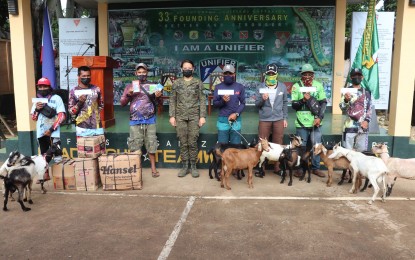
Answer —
236 159
341 163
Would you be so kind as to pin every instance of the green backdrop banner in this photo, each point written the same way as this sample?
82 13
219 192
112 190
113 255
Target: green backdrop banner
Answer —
247 37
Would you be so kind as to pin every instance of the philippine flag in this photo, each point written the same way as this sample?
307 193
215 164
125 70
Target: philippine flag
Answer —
47 57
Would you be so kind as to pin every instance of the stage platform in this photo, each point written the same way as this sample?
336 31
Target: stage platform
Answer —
168 152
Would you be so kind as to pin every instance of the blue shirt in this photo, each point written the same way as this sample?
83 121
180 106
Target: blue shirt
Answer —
148 121
43 123
236 104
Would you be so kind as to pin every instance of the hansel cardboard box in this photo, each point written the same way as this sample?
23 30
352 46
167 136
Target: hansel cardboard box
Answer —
86 174
91 146
63 175
121 171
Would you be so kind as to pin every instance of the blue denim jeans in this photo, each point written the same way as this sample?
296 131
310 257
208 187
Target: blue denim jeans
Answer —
315 136
229 136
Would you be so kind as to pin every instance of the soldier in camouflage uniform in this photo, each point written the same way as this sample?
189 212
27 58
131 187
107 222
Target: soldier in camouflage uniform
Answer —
187 111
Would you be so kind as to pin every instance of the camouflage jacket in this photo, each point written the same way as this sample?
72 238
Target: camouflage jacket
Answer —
187 99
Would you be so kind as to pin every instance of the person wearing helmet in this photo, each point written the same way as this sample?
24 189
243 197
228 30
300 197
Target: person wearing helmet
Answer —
48 114
310 107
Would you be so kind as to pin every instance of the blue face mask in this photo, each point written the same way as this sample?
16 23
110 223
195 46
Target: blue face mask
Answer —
228 80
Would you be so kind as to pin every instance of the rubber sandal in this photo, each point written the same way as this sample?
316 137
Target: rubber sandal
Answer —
155 174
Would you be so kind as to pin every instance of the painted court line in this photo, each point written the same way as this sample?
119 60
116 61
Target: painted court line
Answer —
112 194
175 233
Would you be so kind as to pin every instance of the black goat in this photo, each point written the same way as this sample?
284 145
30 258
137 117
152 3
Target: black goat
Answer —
294 158
18 179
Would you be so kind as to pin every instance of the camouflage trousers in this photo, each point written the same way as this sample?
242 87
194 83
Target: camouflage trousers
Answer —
188 133
143 134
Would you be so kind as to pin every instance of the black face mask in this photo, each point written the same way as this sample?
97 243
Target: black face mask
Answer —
187 73
356 81
43 92
86 81
142 78
228 80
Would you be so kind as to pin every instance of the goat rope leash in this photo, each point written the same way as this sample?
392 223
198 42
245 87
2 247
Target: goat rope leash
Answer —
231 125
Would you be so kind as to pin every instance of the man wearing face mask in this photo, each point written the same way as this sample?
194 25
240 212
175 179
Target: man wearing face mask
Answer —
48 117
230 107
358 108
142 117
310 107
273 109
86 107
187 111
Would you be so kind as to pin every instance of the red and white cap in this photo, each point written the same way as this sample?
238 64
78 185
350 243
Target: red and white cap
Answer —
43 81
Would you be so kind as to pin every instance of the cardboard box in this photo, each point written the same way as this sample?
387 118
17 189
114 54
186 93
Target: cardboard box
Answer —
86 174
121 171
63 175
91 146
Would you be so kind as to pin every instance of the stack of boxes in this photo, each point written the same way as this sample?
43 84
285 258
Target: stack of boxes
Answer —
93 167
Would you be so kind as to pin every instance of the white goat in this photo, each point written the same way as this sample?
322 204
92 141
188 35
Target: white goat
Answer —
368 166
273 151
402 168
37 170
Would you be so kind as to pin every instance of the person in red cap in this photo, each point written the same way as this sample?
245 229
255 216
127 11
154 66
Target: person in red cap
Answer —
49 113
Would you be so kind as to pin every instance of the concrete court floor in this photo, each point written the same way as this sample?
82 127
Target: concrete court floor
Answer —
189 218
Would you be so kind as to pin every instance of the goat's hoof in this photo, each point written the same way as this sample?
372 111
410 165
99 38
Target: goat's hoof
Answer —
30 201
328 184
222 186
362 190
370 202
351 191
44 191
301 179
24 200
340 182
228 188
350 181
210 177
26 209
5 209
12 199
309 180
290 184
282 182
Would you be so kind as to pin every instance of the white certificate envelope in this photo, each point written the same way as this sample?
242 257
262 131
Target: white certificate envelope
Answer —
80 92
223 92
267 90
136 86
41 100
308 89
348 90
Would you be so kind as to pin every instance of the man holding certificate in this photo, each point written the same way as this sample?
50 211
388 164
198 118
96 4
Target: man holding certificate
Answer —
356 102
309 100
48 111
272 104
85 103
229 97
142 114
